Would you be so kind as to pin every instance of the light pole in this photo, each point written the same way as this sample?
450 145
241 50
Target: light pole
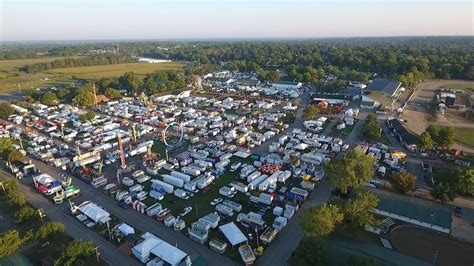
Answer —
97 253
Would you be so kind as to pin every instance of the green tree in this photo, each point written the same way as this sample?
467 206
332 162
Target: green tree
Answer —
466 181
6 110
446 137
403 181
15 156
372 129
77 253
444 192
24 214
10 242
131 82
151 87
49 230
350 171
89 116
5 147
113 94
425 142
17 199
320 221
49 98
84 98
359 209
311 251
311 112
63 93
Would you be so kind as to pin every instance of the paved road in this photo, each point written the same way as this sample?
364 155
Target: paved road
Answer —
136 220
73 227
282 248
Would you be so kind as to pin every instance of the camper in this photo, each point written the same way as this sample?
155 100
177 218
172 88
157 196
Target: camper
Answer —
224 210
268 235
253 176
190 171
222 164
157 184
181 194
135 188
142 179
184 177
173 180
153 209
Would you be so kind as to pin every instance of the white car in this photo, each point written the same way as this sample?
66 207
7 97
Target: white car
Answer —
214 202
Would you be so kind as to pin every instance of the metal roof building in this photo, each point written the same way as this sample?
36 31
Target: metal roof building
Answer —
414 211
388 87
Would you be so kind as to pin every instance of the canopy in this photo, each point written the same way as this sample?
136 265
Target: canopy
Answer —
233 233
169 253
126 229
94 212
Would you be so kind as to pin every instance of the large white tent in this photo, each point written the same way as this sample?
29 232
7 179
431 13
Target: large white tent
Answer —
233 233
94 212
169 253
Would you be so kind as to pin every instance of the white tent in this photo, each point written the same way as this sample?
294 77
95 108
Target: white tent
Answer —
126 229
233 233
169 253
94 212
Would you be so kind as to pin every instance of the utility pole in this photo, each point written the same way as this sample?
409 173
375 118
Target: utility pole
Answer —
3 187
97 253
41 215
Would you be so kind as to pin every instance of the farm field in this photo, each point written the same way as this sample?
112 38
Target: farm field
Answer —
8 65
64 76
109 71
460 86
465 136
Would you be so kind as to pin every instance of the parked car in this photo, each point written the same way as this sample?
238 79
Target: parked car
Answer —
123 205
458 211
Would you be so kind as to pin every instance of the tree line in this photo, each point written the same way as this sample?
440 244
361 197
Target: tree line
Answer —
78 62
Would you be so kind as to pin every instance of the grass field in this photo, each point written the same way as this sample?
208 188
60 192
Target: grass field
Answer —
460 86
108 71
64 76
465 136
8 65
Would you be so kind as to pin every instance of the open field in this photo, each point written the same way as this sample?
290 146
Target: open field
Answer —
109 71
416 114
65 76
465 136
8 65
460 86
436 248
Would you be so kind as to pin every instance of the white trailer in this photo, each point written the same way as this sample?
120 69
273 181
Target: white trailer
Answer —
253 176
173 180
180 193
156 184
222 164
205 181
285 175
153 209
254 184
184 177
190 170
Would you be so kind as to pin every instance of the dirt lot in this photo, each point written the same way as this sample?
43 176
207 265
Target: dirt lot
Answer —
416 112
436 248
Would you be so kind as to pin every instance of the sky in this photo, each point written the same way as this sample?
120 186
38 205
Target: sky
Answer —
31 20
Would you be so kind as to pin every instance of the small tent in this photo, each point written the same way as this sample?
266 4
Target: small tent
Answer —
233 233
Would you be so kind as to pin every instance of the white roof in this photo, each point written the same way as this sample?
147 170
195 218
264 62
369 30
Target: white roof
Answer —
126 229
94 212
43 179
146 246
168 253
242 154
233 233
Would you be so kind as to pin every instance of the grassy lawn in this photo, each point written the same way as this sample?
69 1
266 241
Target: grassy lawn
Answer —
65 76
465 136
106 71
7 65
460 86
379 97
